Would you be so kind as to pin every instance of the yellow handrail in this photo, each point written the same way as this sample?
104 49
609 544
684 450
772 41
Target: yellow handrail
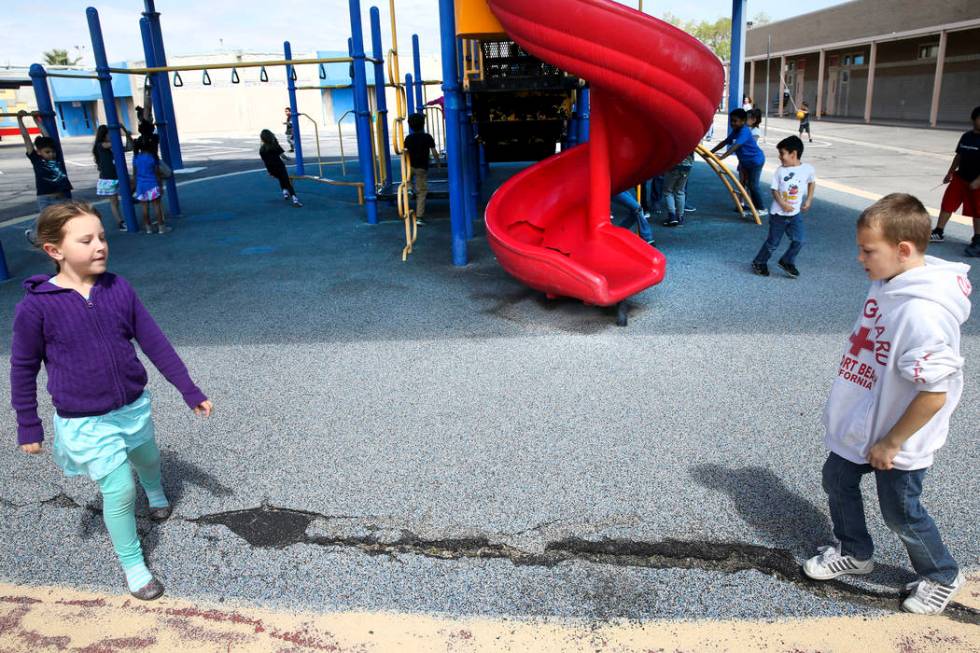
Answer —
734 186
398 139
316 132
340 134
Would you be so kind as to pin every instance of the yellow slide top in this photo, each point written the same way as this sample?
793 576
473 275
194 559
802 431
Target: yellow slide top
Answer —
474 20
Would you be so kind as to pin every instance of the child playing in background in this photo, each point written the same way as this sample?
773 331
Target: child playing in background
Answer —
754 120
80 323
108 184
750 157
963 178
418 144
675 191
50 177
637 216
804 115
146 172
274 159
899 382
289 128
793 185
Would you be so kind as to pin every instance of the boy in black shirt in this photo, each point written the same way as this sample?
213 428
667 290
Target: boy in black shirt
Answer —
964 185
418 144
50 176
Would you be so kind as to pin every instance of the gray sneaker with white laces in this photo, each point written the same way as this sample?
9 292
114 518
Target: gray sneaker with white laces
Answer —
930 597
831 564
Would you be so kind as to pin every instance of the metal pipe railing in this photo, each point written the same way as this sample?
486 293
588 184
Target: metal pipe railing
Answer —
237 64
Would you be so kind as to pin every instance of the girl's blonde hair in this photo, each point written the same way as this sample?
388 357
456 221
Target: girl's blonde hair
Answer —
51 223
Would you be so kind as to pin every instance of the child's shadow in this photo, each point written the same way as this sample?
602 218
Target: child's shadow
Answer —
781 517
176 474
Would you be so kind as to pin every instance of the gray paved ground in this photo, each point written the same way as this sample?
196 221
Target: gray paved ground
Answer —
452 442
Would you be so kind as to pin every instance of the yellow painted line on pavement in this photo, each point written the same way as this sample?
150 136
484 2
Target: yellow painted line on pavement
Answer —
59 618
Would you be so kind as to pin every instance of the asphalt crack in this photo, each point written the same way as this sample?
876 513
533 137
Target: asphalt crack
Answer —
273 527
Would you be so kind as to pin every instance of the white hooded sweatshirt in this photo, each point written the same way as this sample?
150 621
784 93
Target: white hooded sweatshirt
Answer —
906 341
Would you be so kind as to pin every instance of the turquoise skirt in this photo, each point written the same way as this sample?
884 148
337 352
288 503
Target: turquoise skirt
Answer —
95 446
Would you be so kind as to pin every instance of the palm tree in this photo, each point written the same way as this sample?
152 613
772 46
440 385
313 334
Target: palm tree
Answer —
59 57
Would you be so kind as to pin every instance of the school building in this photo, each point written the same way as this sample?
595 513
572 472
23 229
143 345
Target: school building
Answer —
871 61
219 102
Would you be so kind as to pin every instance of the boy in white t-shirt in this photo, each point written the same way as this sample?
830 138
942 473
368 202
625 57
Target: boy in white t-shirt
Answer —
899 381
793 185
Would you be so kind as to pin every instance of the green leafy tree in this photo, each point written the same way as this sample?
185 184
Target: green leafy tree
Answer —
717 34
59 57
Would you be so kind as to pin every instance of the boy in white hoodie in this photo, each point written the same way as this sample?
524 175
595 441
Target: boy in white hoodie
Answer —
899 381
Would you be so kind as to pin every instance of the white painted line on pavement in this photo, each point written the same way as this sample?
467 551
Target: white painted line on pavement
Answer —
891 148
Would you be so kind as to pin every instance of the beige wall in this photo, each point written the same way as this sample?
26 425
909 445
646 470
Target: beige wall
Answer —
855 20
248 107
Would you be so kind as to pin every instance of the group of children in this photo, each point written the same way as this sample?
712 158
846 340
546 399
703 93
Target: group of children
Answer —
899 380
51 177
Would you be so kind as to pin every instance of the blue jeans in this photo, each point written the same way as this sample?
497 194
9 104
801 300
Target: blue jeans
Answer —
778 225
898 497
628 199
753 175
675 190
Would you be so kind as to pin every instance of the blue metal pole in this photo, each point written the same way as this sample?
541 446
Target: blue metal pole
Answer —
450 90
293 109
160 56
159 112
571 134
484 164
363 112
380 94
417 54
584 113
39 80
469 209
736 81
111 118
409 94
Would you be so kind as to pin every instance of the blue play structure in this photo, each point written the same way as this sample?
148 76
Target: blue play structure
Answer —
465 158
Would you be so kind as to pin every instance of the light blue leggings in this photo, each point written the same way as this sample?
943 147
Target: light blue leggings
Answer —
119 500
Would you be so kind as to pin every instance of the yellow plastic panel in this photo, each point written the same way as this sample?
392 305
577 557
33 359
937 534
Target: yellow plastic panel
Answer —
474 20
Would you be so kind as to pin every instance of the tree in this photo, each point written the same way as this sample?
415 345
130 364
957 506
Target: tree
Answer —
761 18
717 35
59 57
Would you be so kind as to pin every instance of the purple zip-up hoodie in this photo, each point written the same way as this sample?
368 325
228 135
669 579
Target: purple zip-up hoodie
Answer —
86 347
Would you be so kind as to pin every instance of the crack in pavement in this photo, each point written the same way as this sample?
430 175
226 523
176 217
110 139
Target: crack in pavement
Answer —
272 527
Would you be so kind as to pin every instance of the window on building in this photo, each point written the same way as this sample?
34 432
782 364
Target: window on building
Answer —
859 60
929 51
847 60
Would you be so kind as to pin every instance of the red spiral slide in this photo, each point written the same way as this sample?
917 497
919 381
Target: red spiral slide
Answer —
654 92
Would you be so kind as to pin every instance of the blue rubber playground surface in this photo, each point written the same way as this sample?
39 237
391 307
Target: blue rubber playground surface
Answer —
418 437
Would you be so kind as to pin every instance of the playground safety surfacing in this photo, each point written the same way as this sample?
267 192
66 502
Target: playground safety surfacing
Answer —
417 439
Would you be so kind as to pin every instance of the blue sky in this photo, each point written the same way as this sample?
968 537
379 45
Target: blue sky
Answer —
195 26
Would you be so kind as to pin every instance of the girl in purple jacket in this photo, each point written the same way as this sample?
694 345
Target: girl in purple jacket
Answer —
81 323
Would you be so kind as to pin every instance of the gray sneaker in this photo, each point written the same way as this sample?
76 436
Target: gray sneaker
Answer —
164 229
831 564
930 597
